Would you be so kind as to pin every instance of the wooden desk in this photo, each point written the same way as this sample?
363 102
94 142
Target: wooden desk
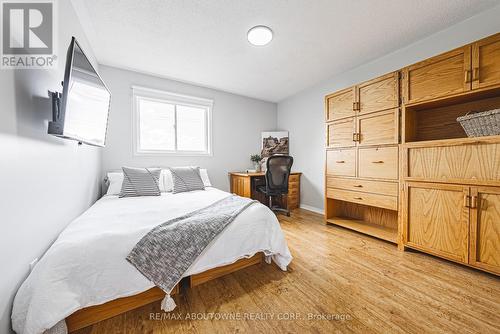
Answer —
245 185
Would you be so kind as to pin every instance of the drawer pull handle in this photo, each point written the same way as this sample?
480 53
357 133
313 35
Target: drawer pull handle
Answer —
340 161
378 162
360 198
359 186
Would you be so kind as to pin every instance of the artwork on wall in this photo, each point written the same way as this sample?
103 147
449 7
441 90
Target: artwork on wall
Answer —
274 142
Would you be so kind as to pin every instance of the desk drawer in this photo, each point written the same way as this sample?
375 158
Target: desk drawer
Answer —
293 191
341 162
380 163
294 178
381 201
376 187
292 201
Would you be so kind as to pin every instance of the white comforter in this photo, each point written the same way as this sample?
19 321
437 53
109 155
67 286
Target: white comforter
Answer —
86 265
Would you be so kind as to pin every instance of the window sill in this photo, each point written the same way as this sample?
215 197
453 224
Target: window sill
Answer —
171 154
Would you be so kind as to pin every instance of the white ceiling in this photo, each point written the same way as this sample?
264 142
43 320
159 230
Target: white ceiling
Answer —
204 42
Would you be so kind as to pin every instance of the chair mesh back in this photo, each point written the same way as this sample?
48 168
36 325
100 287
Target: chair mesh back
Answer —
278 171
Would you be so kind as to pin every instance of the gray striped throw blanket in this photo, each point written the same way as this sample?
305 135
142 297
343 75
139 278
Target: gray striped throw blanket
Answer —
167 251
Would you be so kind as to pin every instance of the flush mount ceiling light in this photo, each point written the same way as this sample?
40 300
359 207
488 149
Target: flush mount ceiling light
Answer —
260 35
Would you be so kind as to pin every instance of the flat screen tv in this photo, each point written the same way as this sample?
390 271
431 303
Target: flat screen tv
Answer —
81 112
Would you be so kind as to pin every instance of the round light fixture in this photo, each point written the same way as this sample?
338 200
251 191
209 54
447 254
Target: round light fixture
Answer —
260 35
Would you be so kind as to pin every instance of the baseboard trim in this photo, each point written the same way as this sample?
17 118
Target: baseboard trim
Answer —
312 208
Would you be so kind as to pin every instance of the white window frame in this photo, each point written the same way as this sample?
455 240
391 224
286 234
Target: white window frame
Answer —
176 99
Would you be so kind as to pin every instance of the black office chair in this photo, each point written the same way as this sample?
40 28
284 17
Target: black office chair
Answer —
277 174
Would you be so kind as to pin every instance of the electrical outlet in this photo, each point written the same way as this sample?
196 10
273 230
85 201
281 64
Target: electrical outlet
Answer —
33 264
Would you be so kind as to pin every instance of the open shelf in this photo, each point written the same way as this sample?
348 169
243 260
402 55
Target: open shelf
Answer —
377 222
375 230
436 122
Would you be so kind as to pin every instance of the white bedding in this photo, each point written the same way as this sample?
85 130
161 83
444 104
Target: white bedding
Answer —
86 265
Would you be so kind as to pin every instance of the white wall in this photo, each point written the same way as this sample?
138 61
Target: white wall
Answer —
237 123
303 113
45 182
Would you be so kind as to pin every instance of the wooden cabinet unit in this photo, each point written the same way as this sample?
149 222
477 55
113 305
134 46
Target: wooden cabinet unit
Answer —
408 173
357 160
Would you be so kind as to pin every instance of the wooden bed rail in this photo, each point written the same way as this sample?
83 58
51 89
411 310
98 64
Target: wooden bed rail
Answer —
94 314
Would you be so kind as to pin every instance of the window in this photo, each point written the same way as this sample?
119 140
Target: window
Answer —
168 123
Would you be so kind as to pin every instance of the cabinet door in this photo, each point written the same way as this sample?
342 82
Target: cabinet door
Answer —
379 128
485 228
437 219
445 75
340 104
486 62
340 133
379 94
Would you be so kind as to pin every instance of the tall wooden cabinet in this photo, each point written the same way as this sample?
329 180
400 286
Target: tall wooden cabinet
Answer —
362 157
401 168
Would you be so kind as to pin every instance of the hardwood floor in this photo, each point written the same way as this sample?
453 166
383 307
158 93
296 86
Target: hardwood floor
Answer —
362 284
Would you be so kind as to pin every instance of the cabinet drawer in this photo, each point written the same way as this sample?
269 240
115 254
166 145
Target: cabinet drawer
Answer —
341 162
379 162
381 201
340 133
459 163
294 178
376 187
293 191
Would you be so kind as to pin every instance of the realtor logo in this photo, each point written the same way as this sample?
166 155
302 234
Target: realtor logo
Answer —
28 34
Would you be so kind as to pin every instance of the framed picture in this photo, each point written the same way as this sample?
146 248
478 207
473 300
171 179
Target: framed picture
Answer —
274 142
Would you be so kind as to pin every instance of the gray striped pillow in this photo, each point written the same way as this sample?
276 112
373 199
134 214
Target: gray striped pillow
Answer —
140 182
186 179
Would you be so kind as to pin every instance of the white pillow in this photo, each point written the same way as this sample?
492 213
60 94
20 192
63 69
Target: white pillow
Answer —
115 180
168 181
204 177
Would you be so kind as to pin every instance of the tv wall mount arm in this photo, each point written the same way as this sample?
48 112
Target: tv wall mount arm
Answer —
56 107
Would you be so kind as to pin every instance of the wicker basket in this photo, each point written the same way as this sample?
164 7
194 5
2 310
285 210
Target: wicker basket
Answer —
486 123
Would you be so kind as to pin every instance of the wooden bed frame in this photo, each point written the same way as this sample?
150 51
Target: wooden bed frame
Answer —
94 314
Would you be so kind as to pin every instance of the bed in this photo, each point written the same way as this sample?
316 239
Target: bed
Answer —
86 265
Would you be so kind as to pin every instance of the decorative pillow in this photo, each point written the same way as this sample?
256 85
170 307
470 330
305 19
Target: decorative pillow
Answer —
140 182
114 181
186 179
205 178
167 182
